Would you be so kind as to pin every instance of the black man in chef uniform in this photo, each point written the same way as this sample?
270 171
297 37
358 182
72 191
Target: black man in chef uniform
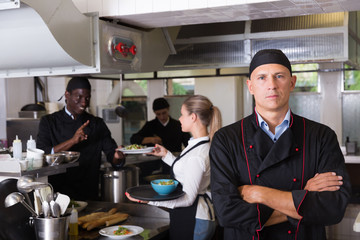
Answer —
74 129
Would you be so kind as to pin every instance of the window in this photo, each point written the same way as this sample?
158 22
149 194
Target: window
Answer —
305 99
351 79
351 105
307 77
134 88
180 86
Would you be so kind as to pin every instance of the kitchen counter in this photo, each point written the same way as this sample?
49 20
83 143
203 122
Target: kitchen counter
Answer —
350 159
154 220
41 172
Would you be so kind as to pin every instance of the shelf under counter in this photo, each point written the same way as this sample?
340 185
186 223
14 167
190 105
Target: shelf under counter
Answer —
43 171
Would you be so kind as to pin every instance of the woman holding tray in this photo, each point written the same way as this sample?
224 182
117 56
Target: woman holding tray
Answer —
191 215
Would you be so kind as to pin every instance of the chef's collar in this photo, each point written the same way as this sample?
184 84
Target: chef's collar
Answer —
166 123
279 130
69 113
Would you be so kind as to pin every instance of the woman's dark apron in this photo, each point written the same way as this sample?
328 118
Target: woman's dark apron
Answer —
182 219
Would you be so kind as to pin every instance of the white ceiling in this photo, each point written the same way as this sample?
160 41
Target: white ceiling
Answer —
247 10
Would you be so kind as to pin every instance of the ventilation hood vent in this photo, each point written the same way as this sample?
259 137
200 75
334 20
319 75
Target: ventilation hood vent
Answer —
44 38
331 37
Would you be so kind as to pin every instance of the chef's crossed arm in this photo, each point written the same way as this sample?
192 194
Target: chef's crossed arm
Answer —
282 201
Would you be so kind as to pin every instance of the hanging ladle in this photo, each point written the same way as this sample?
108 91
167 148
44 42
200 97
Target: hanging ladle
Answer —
23 187
16 197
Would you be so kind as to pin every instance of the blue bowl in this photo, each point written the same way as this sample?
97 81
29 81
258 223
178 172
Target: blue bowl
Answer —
164 189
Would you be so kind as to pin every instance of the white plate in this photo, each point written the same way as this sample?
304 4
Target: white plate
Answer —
109 231
136 151
81 206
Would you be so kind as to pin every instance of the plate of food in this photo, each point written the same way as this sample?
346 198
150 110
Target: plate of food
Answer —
121 231
136 149
78 205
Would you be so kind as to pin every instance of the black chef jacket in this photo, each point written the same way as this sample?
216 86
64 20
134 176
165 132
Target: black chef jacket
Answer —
82 182
304 149
171 134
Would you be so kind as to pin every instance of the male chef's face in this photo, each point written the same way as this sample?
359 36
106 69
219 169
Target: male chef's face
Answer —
162 115
77 100
271 85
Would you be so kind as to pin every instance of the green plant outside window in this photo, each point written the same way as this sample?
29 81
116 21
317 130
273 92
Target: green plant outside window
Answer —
307 77
351 79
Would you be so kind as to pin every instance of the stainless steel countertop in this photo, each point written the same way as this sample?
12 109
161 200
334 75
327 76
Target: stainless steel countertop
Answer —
154 220
43 171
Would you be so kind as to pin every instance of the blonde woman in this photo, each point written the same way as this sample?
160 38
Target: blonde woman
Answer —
192 215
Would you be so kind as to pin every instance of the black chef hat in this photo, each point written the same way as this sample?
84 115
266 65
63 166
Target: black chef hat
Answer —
268 56
78 82
160 103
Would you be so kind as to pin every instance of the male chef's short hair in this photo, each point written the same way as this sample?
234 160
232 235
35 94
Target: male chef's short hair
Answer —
160 103
269 56
78 82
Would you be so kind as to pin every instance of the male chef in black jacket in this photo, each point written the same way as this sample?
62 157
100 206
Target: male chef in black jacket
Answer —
162 130
274 174
73 129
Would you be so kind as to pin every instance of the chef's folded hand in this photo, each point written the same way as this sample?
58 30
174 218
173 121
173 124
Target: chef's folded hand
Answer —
80 135
156 140
134 199
328 181
250 193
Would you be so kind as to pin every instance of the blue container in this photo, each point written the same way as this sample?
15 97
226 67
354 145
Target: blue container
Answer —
164 189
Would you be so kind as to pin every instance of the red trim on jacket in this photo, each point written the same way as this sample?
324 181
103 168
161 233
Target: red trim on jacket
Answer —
297 210
247 162
248 167
303 167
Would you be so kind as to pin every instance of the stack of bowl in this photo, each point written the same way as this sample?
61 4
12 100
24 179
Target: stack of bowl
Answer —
35 157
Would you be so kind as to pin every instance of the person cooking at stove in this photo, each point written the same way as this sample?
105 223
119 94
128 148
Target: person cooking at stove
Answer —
162 130
74 129
192 215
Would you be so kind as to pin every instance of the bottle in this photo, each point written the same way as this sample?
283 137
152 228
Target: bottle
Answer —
31 143
17 148
73 223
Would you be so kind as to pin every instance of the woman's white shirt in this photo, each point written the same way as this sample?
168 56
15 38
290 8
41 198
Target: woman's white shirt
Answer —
193 172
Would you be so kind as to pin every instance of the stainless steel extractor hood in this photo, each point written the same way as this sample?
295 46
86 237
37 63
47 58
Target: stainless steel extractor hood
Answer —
330 37
44 38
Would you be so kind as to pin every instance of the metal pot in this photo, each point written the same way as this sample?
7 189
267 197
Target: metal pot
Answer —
51 228
115 182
